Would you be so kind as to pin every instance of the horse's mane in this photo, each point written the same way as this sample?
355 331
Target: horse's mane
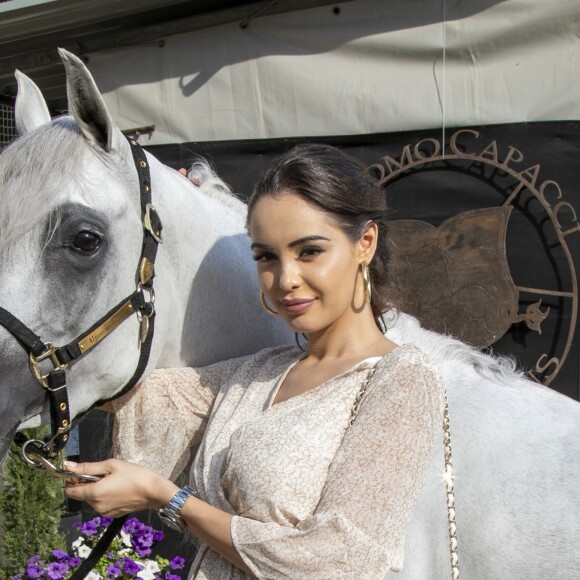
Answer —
202 173
498 369
34 172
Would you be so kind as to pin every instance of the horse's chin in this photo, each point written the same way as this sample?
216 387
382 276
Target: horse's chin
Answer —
31 422
5 442
35 415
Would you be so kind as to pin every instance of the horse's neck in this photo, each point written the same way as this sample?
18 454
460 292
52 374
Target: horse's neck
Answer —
209 308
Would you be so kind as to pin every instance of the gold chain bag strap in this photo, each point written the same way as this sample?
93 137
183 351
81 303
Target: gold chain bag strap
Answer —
448 476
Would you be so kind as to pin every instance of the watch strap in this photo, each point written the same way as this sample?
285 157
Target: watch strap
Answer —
171 513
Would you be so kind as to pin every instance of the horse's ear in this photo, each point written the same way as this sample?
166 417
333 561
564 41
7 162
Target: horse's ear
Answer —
86 104
30 111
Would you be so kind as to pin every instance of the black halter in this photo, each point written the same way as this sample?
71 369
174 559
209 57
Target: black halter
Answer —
141 302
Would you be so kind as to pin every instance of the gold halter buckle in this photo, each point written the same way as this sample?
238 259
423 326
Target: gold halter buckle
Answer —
49 353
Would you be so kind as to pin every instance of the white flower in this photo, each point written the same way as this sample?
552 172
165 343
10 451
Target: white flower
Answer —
93 576
126 539
83 552
78 542
150 570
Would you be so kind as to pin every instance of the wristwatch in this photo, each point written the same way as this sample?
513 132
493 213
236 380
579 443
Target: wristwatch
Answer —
171 513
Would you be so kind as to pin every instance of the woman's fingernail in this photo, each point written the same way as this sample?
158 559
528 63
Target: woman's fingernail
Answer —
69 464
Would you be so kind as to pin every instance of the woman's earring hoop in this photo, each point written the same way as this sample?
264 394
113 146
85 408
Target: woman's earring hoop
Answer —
367 282
265 306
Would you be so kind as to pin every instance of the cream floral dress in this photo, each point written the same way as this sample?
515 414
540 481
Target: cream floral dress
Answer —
311 496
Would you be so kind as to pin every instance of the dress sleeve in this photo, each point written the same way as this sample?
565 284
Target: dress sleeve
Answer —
160 422
358 527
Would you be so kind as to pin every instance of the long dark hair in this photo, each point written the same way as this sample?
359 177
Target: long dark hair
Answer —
337 184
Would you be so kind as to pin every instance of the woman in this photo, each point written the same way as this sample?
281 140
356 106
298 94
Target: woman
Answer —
311 461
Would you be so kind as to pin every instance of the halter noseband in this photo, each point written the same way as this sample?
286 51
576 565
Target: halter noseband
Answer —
141 303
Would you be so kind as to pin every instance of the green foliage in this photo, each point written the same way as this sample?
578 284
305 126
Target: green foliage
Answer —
31 507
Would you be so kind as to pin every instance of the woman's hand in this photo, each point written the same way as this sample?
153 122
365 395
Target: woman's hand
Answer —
124 487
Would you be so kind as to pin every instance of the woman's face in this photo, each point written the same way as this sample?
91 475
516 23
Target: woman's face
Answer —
308 269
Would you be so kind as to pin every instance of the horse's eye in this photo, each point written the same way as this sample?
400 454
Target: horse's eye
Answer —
87 242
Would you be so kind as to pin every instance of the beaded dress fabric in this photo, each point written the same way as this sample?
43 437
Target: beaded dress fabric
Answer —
312 497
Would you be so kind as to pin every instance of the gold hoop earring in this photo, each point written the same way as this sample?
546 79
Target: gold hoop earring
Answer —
265 306
367 282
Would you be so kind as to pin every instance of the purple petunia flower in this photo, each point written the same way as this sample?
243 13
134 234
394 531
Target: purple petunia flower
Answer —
114 570
131 567
158 535
177 563
59 554
34 571
74 561
142 551
33 559
106 521
89 528
170 576
18 576
56 570
133 526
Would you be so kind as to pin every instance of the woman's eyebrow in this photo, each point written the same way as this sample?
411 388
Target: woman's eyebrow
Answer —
311 238
297 242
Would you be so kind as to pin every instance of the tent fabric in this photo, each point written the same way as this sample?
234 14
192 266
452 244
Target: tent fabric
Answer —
360 67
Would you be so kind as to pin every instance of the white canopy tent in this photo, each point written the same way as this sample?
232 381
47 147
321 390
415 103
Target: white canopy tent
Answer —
358 67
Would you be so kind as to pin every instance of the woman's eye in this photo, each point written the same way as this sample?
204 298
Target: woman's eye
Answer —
310 252
263 257
87 242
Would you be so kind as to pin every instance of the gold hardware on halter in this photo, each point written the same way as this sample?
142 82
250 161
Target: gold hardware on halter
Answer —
50 353
37 461
147 224
145 270
143 329
107 327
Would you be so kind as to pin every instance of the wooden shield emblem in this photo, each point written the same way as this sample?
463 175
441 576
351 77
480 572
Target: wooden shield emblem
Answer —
455 278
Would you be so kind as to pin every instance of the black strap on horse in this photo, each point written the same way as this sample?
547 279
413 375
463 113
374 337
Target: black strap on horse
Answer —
141 302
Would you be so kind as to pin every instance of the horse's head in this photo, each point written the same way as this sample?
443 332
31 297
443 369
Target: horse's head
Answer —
71 234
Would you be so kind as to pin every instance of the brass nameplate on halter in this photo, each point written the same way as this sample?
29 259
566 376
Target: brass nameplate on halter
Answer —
107 327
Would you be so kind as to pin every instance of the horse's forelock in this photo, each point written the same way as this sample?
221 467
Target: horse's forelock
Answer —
35 170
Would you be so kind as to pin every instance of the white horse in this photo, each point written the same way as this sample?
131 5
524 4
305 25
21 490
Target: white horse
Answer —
70 223
71 235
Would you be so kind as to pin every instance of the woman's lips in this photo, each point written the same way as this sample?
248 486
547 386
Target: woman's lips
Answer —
298 305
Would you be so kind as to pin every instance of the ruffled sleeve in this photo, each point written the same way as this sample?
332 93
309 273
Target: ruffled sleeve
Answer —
160 423
358 527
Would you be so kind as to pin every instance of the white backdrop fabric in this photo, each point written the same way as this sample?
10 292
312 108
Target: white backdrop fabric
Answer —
377 66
